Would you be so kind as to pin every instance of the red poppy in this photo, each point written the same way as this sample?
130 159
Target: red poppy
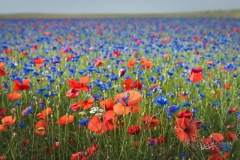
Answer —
3 112
210 62
25 142
65 120
79 156
40 127
166 56
44 113
197 123
134 130
116 53
24 53
185 114
183 96
85 155
218 137
186 130
75 107
38 62
231 136
21 86
8 50
122 109
86 104
128 98
2 72
153 141
69 57
8 121
107 104
147 64
73 93
2 128
136 144
227 86
128 84
92 150
149 121
131 63
162 139
98 62
215 156
196 76
81 84
3 157
102 123
48 33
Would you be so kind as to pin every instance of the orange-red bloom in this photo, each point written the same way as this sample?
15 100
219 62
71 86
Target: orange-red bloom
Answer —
126 102
102 123
3 157
196 75
86 104
218 156
73 93
38 62
85 155
82 84
231 136
40 127
185 113
131 63
186 130
147 64
128 84
44 113
98 62
218 137
149 121
116 53
79 156
2 128
14 96
128 98
227 86
21 86
65 120
8 121
134 130
107 104
2 72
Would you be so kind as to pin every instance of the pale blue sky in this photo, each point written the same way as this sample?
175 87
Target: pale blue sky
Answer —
114 6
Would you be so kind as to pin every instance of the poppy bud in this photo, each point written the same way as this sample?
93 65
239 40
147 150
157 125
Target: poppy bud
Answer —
121 72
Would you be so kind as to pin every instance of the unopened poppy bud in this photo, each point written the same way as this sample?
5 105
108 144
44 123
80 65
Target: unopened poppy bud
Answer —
121 72
13 110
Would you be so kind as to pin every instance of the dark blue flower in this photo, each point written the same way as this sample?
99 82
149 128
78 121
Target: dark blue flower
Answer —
22 125
161 100
83 122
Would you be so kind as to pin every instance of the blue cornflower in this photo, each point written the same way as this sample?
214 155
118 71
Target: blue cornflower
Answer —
161 100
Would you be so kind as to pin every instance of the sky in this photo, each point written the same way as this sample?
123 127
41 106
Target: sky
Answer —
114 6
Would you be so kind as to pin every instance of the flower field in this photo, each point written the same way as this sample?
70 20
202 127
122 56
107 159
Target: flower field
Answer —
120 89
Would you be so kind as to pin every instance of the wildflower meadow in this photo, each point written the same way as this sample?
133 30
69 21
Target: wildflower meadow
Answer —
120 89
